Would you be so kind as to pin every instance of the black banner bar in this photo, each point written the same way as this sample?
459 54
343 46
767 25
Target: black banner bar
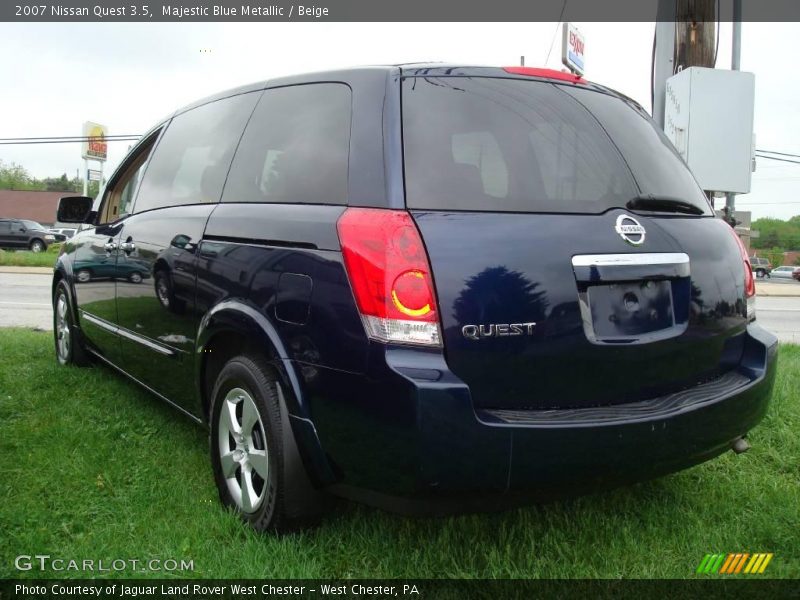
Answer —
227 589
148 11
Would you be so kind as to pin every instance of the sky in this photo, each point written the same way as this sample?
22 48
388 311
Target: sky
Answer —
128 76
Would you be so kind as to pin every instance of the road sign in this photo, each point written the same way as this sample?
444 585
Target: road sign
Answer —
572 48
94 146
94 175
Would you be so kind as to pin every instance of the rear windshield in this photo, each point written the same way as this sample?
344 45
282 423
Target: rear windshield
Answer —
477 143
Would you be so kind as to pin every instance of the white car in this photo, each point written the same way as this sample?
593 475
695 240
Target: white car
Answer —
784 272
67 232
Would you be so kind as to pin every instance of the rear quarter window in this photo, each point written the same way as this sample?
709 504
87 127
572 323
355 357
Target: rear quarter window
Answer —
296 147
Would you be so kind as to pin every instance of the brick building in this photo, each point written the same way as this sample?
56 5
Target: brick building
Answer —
36 206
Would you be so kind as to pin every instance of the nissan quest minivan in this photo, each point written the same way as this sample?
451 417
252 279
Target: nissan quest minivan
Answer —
421 287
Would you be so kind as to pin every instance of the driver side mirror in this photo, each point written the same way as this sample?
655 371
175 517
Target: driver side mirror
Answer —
75 209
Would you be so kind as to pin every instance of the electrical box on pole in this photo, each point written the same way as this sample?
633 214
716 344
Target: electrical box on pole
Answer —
708 116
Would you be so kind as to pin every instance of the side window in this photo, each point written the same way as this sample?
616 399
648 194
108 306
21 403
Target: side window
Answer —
119 194
296 147
5 227
192 159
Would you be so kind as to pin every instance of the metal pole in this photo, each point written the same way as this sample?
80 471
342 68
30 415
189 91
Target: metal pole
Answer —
85 176
736 55
663 67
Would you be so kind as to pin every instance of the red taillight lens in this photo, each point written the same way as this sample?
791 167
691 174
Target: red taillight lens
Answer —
749 279
390 276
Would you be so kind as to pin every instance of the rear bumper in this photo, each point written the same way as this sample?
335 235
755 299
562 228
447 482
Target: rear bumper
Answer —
409 439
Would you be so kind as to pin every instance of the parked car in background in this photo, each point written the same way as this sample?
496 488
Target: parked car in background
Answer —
22 234
761 266
66 232
380 283
785 272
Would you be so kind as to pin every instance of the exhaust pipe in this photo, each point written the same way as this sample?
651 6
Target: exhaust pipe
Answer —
740 445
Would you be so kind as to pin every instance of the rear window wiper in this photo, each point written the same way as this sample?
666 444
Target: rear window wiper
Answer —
663 204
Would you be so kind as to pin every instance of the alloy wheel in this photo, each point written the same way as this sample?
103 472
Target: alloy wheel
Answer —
243 453
63 333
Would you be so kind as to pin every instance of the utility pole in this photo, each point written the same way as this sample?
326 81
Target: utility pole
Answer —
685 37
736 55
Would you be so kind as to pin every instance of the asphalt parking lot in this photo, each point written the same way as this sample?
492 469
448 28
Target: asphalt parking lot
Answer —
25 302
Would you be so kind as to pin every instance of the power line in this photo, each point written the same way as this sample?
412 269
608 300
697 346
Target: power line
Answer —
778 153
751 203
786 160
70 137
75 141
553 40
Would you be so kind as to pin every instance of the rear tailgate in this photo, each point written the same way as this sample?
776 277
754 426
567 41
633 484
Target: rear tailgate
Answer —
552 293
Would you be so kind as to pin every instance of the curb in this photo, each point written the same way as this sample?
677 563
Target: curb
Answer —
778 289
27 270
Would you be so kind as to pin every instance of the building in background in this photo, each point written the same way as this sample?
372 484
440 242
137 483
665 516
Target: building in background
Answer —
35 206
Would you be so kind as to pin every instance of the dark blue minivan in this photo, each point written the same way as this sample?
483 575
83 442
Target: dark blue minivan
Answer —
422 287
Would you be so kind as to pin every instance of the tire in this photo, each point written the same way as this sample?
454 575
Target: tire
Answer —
83 276
164 289
135 277
247 446
68 343
38 246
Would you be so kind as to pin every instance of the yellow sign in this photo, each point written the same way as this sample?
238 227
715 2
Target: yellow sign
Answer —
94 145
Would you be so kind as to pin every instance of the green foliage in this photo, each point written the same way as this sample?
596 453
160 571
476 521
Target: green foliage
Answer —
16 177
775 256
776 233
55 248
26 258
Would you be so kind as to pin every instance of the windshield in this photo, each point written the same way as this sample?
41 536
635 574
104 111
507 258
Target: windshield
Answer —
32 225
478 143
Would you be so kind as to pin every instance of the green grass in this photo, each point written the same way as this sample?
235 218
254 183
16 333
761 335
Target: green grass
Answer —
26 258
93 467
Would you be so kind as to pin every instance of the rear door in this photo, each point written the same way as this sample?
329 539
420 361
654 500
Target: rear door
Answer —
157 260
5 234
18 235
576 261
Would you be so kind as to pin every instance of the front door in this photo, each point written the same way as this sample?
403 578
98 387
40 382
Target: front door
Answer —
96 254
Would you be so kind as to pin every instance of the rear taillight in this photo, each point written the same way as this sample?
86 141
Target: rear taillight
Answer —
749 279
390 275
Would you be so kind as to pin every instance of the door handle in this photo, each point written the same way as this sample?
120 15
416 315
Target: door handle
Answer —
127 247
110 246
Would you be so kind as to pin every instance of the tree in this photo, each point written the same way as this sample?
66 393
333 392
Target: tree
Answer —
15 177
776 233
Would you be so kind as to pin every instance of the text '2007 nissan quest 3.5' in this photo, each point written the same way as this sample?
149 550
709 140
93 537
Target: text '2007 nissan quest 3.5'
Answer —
422 287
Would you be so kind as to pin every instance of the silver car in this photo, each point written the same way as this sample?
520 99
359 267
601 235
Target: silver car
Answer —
784 272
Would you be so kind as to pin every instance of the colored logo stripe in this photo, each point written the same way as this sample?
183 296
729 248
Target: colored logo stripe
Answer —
734 563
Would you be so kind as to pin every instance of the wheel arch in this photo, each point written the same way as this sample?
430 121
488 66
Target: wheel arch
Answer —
235 327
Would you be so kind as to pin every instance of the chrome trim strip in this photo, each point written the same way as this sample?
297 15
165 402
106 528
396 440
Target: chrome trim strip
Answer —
145 342
102 323
111 328
623 260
